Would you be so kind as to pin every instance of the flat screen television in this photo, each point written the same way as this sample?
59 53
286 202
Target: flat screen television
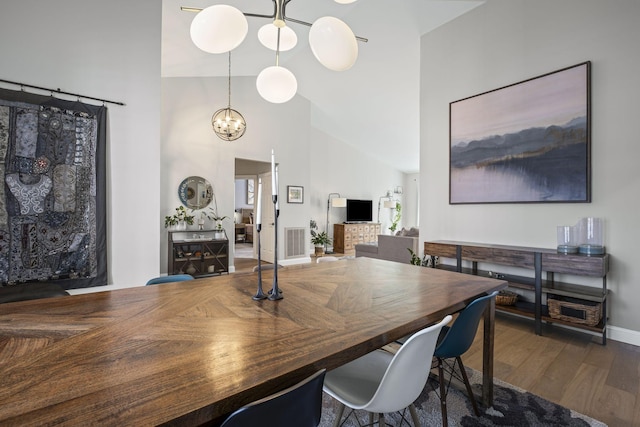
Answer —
359 210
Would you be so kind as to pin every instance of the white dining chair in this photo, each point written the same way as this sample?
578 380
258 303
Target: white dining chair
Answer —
380 382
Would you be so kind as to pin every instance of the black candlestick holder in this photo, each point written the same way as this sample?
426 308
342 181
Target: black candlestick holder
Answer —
260 295
275 293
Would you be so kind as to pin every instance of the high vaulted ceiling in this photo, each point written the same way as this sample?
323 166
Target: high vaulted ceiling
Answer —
373 106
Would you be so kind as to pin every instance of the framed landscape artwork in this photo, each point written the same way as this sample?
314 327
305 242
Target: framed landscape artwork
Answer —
528 142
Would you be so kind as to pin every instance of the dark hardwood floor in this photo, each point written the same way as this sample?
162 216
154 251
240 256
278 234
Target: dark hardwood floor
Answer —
566 367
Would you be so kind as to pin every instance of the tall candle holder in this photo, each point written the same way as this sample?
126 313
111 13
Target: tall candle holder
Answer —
260 295
275 293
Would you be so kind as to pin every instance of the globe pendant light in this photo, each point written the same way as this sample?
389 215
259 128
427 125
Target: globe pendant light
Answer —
268 36
227 123
276 84
333 43
219 28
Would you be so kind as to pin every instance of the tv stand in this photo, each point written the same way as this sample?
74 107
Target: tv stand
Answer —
346 236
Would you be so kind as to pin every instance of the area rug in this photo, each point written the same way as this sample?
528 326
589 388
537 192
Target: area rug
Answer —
512 407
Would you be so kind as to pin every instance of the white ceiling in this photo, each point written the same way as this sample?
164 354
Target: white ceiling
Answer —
360 106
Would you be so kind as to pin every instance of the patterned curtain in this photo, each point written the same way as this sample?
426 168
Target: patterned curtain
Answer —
53 192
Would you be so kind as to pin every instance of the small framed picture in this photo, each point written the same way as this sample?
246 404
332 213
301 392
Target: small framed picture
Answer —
295 194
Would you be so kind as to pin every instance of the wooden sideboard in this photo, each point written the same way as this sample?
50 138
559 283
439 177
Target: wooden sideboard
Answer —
198 253
347 236
542 264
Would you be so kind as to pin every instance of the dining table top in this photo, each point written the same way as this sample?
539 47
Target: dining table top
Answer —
191 352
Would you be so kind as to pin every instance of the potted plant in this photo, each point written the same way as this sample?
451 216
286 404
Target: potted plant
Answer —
320 240
180 219
212 215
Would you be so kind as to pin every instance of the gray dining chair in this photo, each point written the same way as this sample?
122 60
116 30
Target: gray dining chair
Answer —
381 382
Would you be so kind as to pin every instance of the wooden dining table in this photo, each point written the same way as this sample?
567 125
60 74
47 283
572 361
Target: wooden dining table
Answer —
190 353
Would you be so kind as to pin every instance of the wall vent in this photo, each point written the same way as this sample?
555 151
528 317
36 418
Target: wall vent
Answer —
294 242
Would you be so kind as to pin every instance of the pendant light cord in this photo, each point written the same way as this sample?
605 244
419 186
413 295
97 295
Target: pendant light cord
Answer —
278 49
229 81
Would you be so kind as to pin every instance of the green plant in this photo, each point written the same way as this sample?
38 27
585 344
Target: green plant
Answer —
212 214
320 239
396 218
416 260
180 215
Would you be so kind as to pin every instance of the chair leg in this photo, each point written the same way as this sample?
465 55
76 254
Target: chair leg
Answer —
381 422
414 415
336 422
443 395
468 386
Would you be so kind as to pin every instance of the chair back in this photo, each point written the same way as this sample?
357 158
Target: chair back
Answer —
169 279
407 372
460 335
299 405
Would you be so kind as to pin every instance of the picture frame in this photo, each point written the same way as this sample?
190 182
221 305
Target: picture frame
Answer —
528 142
295 194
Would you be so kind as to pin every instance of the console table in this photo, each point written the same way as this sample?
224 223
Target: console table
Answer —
198 253
347 236
538 260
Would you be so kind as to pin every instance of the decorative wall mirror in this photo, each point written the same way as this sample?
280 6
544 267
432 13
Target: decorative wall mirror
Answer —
195 192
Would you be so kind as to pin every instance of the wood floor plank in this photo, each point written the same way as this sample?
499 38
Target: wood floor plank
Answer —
616 406
624 372
537 362
560 371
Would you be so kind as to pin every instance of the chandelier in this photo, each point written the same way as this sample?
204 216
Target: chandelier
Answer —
227 123
221 28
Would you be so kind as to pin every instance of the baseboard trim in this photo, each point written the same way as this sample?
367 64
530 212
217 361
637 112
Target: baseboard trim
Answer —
624 335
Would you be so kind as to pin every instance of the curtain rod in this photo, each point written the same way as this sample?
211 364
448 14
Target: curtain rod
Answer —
23 85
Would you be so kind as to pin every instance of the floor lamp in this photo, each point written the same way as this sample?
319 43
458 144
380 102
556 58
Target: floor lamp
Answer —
387 202
336 202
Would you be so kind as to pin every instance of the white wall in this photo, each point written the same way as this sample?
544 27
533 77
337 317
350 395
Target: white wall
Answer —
506 41
190 147
108 50
337 167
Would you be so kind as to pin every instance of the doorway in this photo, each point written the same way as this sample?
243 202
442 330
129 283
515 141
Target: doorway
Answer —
245 240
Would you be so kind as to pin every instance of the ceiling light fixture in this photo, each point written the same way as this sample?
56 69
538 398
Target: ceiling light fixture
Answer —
221 28
277 84
227 123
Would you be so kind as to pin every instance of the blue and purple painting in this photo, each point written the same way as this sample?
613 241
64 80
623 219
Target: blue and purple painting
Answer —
528 142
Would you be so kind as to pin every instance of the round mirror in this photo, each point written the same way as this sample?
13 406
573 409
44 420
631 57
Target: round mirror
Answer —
195 192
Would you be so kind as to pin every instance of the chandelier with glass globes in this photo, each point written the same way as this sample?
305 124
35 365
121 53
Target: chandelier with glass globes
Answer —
221 28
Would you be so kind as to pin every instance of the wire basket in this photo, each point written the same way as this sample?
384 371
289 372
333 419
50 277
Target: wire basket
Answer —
506 298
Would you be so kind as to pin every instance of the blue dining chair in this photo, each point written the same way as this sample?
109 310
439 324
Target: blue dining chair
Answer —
169 279
453 342
299 405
